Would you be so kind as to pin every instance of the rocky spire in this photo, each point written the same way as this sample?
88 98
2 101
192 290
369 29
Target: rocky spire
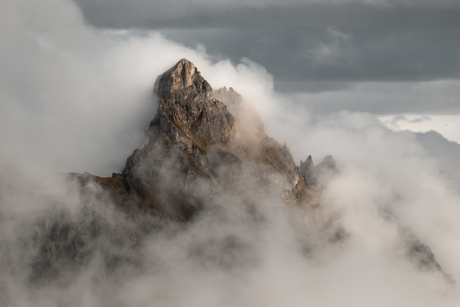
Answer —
200 148
187 105
308 172
182 76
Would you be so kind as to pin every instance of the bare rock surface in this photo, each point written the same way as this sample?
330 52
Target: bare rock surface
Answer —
201 147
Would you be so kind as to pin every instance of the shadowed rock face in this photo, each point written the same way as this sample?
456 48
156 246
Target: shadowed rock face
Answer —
312 175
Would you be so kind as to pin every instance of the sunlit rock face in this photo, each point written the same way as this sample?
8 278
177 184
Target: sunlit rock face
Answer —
200 148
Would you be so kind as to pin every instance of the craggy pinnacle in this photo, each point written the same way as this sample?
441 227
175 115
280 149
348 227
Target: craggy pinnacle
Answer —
200 151
200 147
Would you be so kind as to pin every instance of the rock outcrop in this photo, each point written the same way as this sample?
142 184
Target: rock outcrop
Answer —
200 147
311 174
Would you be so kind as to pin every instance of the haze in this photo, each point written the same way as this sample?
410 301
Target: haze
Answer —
373 83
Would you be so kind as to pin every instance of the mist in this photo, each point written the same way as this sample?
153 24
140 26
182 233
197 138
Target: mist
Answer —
77 99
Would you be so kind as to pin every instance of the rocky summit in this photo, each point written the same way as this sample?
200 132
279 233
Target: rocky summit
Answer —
202 144
207 151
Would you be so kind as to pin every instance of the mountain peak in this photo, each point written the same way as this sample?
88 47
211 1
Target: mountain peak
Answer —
200 148
201 158
182 76
188 113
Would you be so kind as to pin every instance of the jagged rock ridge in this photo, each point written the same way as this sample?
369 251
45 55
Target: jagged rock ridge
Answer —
197 151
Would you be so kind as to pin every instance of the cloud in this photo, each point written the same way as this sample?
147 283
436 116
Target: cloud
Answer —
392 40
338 34
389 41
336 52
446 152
384 98
349 16
393 122
368 56
75 99
447 125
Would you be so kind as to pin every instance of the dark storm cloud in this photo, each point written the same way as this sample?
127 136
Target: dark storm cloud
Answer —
345 16
299 56
309 42
429 98
315 47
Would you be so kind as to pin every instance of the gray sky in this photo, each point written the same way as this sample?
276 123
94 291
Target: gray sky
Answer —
346 41
75 98
312 46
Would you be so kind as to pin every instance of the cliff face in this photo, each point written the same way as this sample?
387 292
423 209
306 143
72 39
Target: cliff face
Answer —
199 148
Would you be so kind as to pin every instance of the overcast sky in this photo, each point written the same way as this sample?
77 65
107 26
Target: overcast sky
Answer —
76 82
318 46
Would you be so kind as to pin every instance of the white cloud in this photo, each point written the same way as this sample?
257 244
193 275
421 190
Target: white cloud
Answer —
74 99
447 125
336 33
